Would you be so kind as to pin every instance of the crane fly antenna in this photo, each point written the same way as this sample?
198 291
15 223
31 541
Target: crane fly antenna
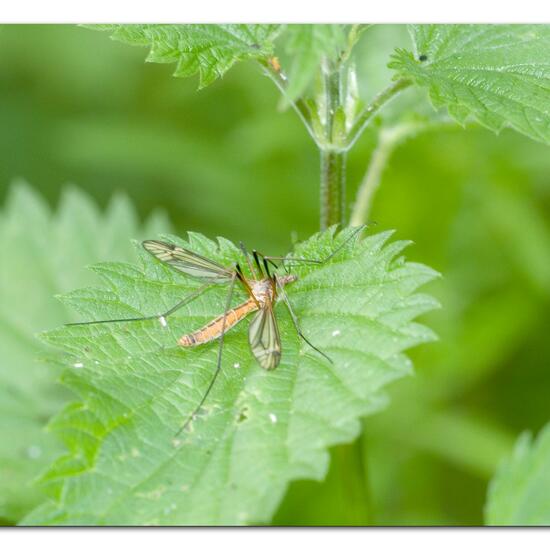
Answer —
285 259
341 246
219 362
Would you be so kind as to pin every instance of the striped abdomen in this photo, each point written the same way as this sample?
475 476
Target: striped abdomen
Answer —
213 329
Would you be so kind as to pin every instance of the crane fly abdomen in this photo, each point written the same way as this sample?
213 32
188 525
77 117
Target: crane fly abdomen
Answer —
213 330
262 291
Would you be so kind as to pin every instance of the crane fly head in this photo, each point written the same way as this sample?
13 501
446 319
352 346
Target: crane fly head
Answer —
287 279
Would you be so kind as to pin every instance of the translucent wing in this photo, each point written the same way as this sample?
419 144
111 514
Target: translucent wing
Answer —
188 262
264 339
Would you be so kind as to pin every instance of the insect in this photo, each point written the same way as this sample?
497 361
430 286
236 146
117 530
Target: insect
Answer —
263 288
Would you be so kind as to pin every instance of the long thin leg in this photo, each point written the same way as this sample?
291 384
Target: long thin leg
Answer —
239 274
247 256
161 316
256 257
281 291
219 362
286 259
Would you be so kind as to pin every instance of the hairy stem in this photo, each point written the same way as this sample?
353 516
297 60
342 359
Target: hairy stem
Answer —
369 185
333 187
333 156
299 105
370 110
333 139
387 142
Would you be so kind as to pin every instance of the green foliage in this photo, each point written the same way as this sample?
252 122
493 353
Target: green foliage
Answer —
497 73
307 45
518 494
259 430
475 204
43 254
209 50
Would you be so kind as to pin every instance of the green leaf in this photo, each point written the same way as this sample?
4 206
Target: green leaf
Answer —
42 255
209 50
259 430
307 45
518 494
498 73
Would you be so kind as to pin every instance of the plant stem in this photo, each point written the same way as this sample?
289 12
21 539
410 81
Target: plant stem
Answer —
387 142
370 184
299 105
333 187
363 453
334 141
470 442
370 110
351 472
333 156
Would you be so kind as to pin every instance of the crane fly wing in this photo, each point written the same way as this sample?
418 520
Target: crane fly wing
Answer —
188 262
264 338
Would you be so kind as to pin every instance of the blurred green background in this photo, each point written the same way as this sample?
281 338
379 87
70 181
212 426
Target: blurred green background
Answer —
79 108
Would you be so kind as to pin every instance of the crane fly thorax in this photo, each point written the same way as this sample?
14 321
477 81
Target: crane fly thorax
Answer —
265 290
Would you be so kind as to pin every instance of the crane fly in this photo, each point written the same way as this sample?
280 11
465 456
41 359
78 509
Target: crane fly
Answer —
264 337
263 288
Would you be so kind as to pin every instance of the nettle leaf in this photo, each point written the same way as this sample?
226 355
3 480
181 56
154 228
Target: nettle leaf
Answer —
307 45
43 254
258 430
518 494
500 74
209 50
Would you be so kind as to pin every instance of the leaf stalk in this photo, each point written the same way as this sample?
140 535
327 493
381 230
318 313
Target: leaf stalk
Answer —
367 114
